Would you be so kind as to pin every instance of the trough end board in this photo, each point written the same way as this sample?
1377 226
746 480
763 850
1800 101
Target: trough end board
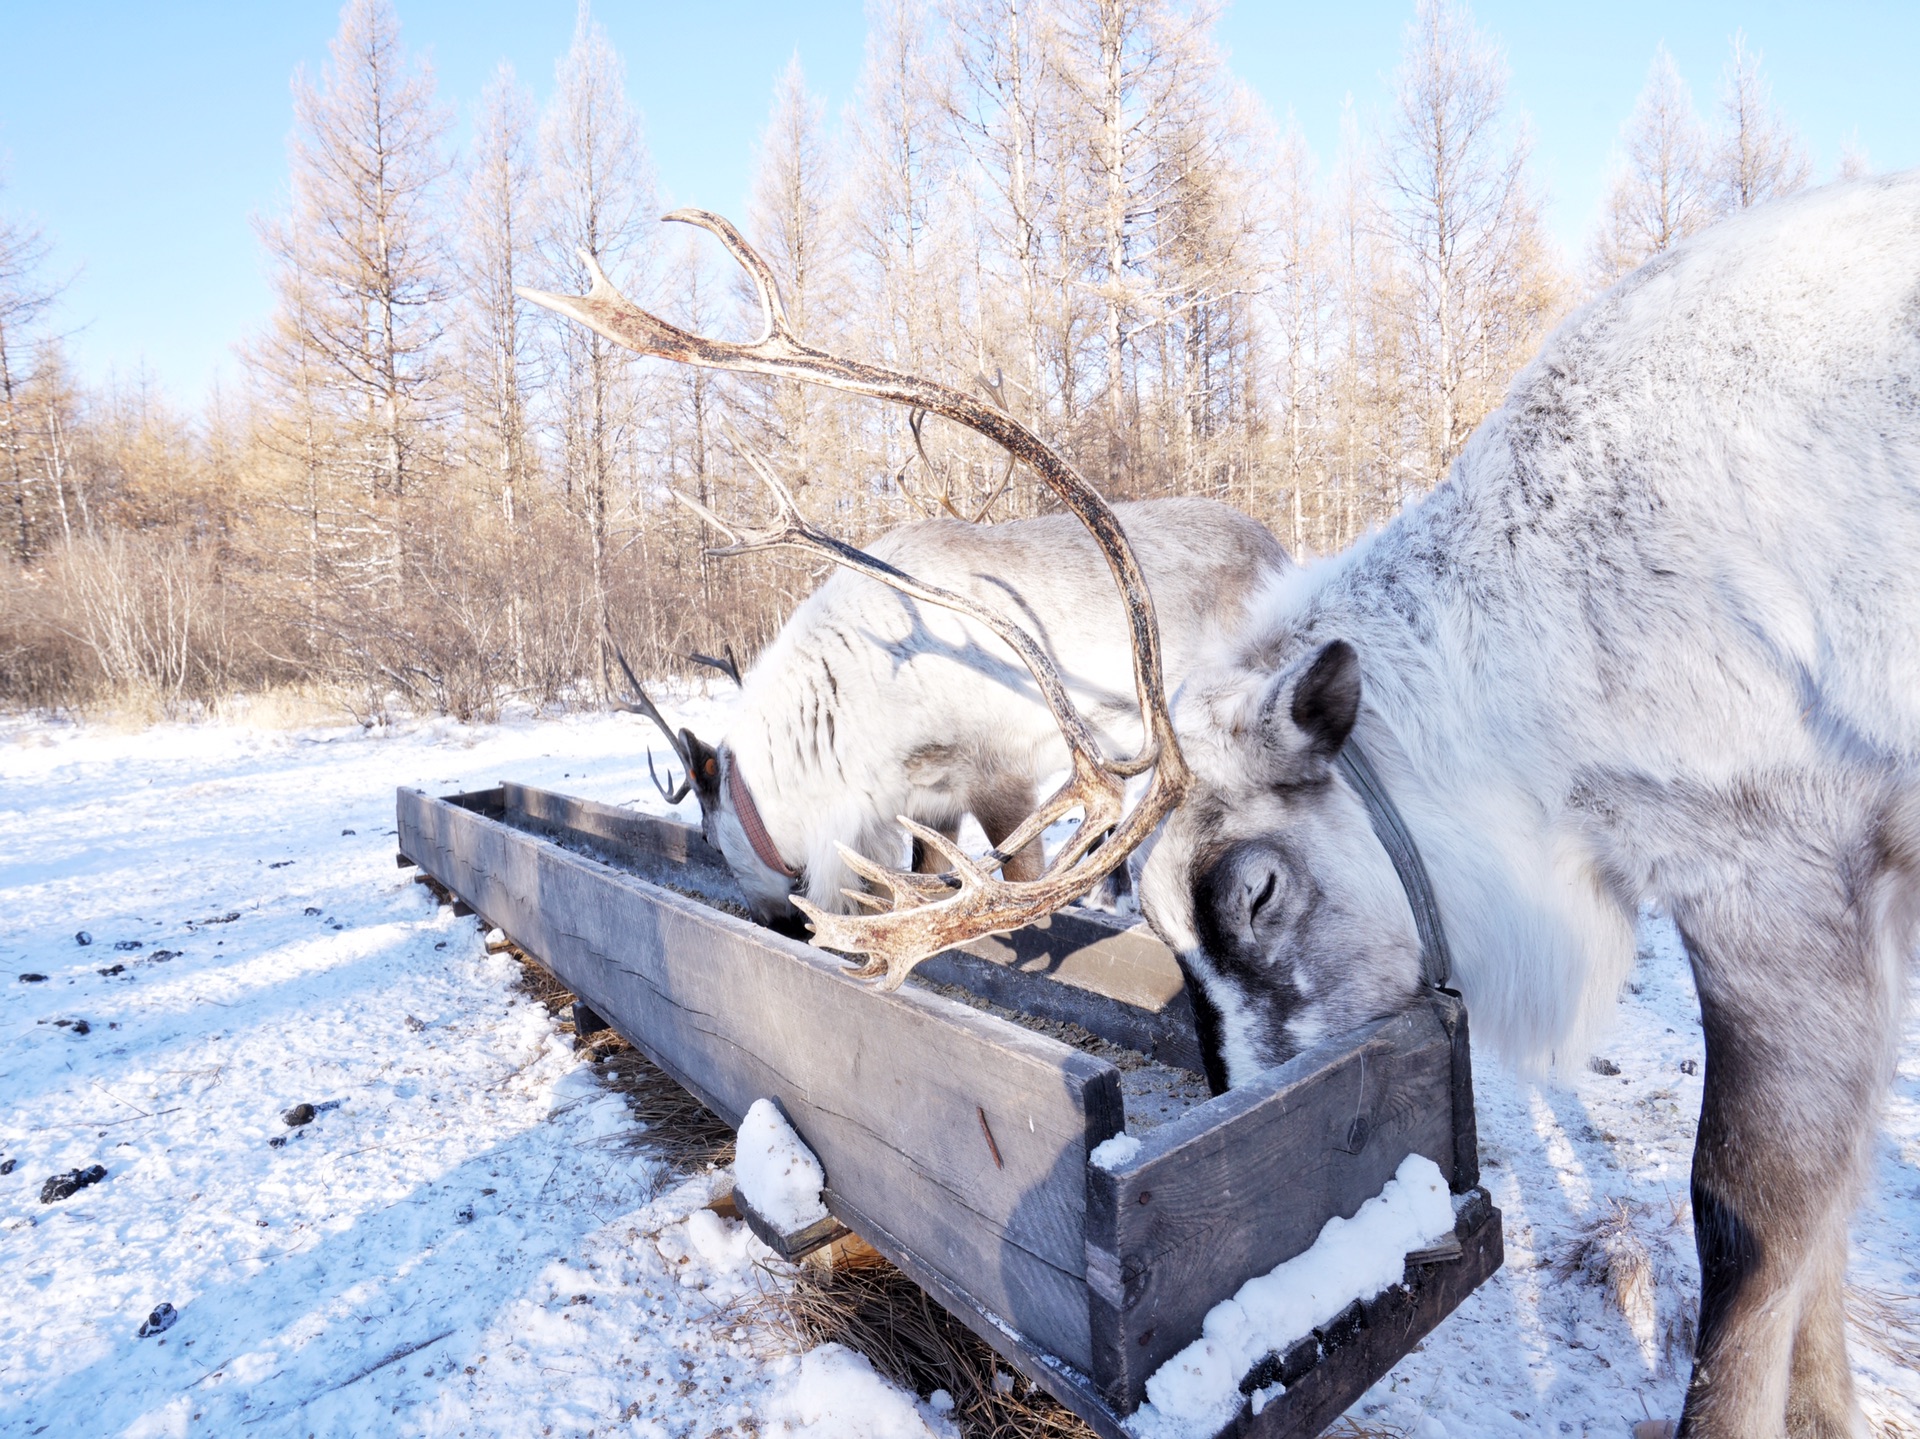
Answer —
1237 1186
1392 1324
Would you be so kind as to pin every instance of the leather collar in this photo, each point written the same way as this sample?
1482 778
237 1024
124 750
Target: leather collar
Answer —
1436 961
750 821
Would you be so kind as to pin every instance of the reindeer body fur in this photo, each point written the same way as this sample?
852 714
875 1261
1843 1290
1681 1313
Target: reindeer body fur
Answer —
1656 640
869 705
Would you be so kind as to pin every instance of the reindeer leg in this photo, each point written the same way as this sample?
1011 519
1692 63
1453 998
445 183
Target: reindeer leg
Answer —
1000 808
1799 1000
924 860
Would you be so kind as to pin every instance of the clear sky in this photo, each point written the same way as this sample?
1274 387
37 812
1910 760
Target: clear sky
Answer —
144 138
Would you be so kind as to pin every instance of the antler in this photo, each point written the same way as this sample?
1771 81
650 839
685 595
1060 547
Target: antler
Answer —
920 915
642 705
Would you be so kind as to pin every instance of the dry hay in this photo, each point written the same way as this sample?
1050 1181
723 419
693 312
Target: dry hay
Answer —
1885 1425
1626 1252
863 1302
1887 1323
678 1128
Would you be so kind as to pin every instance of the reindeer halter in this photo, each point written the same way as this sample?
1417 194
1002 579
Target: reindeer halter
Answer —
750 821
1436 961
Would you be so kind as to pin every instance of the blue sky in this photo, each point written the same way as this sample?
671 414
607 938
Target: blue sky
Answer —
144 137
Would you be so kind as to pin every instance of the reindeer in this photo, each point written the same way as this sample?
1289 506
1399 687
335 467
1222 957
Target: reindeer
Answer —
869 705
1650 643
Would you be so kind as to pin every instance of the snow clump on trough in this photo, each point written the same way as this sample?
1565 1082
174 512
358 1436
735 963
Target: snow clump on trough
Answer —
775 1172
1195 1393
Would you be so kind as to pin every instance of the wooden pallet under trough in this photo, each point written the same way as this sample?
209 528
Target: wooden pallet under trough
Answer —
955 1141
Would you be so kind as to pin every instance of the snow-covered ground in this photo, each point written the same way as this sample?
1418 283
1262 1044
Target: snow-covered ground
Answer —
466 1240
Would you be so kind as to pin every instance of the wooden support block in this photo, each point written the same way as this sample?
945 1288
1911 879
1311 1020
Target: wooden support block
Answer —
1378 1336
586 1024
402 862
788 1244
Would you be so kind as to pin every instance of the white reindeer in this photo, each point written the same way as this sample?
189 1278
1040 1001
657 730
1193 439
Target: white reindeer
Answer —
1656 640
869 705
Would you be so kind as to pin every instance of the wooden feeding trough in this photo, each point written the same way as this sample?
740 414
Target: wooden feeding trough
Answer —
955 1129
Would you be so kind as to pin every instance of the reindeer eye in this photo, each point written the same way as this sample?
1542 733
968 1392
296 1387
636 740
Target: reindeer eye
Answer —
1260 899
709 768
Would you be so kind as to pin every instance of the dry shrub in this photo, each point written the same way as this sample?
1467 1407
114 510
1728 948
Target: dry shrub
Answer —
41 666
284 707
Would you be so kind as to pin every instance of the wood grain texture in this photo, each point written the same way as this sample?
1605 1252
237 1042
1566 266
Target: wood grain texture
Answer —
884 1088
623 834
1121 984
1240 1184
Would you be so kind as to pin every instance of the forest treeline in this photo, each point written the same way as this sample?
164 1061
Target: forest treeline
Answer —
427 494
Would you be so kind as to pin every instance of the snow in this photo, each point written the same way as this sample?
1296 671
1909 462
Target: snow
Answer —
1196 1392
775 1172
836 1395
1112 1153
479 1201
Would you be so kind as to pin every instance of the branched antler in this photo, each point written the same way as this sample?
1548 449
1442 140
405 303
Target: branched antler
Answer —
642 704
919 915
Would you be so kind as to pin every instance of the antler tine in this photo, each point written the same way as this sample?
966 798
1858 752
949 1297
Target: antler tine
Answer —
678 792
773 313
920 920
641 704
729 666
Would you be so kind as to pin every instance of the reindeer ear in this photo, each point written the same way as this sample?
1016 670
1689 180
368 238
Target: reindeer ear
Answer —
703 766
1326 701
1310 710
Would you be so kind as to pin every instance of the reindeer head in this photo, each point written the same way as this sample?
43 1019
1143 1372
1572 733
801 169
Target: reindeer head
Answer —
1269 883
729 819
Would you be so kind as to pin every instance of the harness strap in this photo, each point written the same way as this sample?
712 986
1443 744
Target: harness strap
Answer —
751 822
1436 961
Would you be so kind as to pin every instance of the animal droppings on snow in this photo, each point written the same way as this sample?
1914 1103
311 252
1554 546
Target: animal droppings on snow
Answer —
775 1172
1111 1153
1197 1392
65 1186
158 1322
300 1114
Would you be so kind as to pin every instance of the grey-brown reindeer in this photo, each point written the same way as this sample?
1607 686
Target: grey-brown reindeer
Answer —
1651 642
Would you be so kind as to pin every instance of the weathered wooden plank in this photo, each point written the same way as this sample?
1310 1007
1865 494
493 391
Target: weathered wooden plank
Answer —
643 839
887 1089
1121 984
1389 1327
1237 1185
